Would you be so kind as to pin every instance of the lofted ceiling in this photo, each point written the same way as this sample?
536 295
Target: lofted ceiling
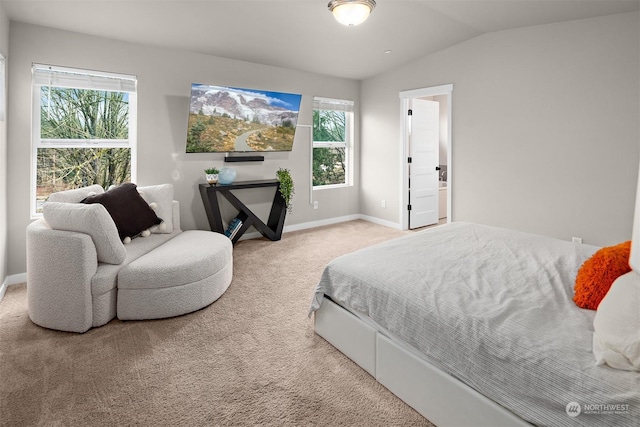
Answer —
302 34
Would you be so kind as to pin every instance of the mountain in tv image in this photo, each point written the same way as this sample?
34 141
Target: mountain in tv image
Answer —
227 119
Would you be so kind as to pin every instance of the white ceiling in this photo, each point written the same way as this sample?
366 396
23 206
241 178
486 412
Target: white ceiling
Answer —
302 34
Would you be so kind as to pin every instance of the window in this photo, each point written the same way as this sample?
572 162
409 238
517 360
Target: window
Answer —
84 130
332 136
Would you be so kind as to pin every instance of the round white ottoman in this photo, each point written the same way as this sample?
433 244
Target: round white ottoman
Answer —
185 274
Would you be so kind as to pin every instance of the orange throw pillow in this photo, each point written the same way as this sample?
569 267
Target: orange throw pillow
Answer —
598 273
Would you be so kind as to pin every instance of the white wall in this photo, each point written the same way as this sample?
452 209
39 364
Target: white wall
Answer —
4 50
545 128
164 81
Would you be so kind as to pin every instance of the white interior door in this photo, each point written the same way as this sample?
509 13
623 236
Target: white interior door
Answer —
424 152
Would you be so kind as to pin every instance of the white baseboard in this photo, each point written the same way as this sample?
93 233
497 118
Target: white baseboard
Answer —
304 226
328 221
320 223
14 279
381 222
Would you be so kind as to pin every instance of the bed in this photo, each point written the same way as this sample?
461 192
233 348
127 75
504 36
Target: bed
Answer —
475 325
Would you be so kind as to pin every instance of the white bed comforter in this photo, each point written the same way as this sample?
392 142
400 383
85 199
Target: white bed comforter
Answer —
494 308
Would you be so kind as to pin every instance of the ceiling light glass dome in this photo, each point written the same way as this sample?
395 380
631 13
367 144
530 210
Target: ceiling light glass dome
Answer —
351 12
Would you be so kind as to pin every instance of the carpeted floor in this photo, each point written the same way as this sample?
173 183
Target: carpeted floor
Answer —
250 358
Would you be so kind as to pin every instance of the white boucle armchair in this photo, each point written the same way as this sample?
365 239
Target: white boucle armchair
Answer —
81 275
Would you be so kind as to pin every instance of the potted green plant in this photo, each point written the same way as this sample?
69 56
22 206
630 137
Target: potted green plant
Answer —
286 187
211 174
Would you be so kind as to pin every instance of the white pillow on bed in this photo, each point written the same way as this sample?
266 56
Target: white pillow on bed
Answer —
616 337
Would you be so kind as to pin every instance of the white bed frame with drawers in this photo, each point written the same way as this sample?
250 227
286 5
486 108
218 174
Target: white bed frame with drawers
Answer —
438 396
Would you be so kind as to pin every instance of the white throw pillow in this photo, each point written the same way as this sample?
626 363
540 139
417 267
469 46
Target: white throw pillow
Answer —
76 195
92 219
616 337
160 198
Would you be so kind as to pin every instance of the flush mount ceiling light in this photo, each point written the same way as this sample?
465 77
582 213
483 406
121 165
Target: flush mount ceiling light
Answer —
351 12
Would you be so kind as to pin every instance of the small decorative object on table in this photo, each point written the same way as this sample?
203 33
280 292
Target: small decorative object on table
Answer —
226 176
286 187
212 175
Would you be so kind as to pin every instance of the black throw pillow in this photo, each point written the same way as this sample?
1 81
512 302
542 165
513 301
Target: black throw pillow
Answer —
127 208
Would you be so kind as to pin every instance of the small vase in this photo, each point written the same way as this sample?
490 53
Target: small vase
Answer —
212 178
226 176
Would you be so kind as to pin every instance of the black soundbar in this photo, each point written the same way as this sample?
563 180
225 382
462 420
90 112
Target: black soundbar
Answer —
231 159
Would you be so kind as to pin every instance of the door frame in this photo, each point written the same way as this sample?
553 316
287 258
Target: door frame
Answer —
405 97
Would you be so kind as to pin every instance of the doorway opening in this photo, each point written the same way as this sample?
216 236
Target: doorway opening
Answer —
438 190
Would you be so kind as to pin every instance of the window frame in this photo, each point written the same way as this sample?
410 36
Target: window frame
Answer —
320 103
100 81
3 87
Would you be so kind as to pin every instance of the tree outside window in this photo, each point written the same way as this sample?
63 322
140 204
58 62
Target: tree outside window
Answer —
331 140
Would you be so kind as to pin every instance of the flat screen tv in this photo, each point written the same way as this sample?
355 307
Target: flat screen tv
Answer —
230 119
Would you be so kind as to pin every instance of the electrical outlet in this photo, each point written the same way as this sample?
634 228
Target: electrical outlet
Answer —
315 204
383 203
576 239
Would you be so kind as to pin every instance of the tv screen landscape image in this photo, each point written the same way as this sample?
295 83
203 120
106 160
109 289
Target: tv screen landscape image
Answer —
229 119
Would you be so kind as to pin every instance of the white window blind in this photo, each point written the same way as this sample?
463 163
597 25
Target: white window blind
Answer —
331 104
48 75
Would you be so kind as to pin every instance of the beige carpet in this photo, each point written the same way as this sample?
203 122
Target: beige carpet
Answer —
251 358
